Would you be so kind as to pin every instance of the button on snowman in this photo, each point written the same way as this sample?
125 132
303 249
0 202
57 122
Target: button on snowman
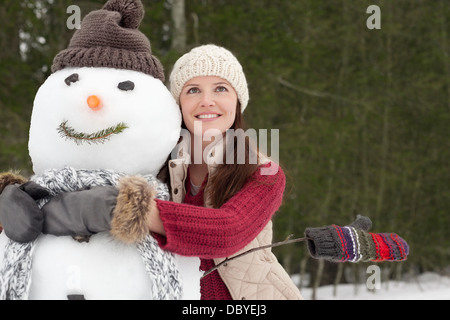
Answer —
104 109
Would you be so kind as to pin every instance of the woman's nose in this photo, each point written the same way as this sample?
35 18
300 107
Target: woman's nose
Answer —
94 102
207 100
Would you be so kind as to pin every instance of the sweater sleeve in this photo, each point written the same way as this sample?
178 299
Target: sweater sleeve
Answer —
215 233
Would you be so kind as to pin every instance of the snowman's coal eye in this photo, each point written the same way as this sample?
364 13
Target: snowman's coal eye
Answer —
72 79
126 86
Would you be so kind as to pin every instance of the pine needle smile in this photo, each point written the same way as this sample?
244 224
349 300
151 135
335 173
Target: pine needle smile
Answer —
90 138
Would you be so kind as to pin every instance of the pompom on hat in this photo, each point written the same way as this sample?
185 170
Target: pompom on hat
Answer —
209 60
110 38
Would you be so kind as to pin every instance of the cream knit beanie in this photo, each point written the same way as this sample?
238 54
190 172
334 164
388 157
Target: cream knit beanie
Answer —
209 60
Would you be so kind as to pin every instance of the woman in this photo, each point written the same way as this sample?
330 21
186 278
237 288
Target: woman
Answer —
220 207
211 88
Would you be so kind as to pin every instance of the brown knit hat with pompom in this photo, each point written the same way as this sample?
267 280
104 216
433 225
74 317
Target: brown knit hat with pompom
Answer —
110 38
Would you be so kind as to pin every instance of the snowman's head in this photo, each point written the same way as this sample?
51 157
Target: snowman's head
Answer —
103 118
105 105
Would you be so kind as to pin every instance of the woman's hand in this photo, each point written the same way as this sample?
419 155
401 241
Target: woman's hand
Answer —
80 213
129 212
126 211
21 218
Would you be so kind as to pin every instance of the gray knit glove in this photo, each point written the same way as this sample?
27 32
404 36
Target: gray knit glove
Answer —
333 243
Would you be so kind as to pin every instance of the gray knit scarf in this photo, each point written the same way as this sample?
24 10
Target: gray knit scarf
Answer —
15 273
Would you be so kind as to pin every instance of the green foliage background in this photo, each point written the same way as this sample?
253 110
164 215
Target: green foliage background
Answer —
364 115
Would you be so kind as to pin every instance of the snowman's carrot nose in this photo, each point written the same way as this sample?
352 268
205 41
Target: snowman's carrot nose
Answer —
94 102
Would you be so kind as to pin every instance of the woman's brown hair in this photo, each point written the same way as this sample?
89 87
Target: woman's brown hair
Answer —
229 178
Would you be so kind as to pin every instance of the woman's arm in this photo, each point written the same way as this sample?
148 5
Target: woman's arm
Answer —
130 212
123 211
214 233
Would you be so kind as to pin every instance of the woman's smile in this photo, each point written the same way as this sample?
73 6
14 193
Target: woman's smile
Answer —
208 116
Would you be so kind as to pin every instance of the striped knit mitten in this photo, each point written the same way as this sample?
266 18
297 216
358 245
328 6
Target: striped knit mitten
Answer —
354 243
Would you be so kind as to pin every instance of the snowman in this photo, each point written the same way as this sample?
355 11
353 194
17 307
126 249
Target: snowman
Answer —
104 113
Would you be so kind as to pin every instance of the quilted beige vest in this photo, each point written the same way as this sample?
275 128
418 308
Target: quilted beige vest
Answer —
254 276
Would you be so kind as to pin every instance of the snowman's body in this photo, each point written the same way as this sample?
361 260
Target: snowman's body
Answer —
132 130
101 269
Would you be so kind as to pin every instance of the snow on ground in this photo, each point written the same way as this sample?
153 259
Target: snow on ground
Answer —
427 286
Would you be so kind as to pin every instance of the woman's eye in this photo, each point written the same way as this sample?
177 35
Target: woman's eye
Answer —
193 90
221 89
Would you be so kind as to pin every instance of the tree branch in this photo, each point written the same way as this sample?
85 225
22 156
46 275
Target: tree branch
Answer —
273 245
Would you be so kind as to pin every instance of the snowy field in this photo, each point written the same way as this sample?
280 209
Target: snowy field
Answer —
427 286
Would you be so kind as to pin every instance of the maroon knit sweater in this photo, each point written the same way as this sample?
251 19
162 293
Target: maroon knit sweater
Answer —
193 230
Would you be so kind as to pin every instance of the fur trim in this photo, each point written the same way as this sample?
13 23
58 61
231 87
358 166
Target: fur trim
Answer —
131 216
9 178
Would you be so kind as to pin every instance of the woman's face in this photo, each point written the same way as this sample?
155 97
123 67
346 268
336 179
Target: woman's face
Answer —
208 103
